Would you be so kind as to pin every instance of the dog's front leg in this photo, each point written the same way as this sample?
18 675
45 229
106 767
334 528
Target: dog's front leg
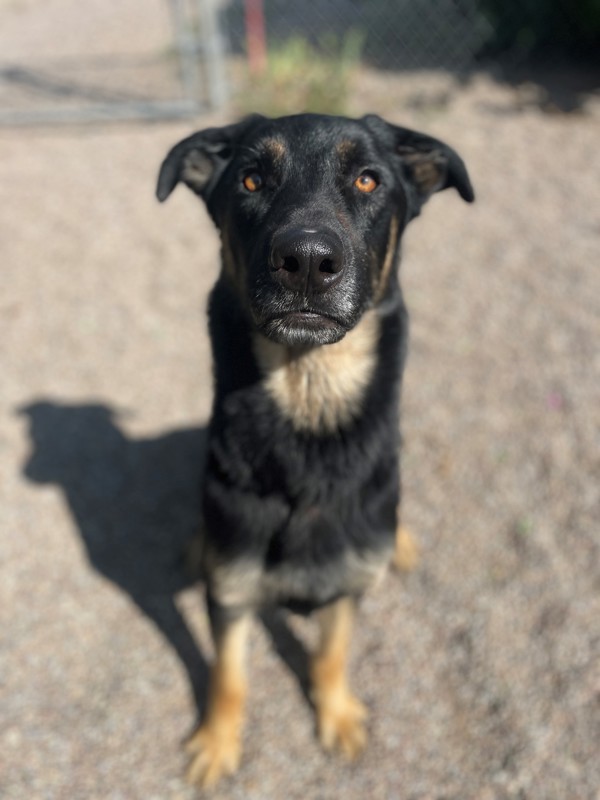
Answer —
216 745
340 715
406 553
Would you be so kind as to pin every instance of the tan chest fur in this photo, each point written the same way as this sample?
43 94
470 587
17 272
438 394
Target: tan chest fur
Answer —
321 388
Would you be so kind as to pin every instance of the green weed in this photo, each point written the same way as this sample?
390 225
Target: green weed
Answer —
304 77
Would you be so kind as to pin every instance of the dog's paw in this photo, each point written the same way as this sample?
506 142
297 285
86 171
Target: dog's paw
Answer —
341 725
215 754
406 553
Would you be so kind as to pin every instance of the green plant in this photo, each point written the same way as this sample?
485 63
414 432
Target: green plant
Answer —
301 76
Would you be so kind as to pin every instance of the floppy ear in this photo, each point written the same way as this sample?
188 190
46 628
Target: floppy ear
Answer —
428 164
431 166
199 160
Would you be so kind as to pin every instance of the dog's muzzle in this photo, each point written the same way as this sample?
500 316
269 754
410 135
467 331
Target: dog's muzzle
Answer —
305 261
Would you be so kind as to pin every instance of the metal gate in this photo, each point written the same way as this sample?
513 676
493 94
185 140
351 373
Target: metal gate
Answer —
182 75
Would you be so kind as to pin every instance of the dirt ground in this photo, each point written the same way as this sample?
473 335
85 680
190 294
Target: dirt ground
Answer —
481 669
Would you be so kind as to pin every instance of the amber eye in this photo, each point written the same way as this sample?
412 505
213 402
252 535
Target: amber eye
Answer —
366 182
253 182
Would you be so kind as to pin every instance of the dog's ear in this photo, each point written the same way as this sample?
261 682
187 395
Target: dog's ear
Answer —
429 165
199 160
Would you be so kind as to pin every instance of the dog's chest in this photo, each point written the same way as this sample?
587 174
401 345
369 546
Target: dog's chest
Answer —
320 389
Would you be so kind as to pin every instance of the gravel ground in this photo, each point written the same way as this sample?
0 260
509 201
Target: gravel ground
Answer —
480 669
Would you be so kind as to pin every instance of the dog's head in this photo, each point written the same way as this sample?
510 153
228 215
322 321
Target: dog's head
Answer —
311 210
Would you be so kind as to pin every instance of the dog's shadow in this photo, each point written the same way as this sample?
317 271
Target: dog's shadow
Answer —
136 504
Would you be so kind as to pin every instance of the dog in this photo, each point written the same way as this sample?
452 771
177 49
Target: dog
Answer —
309 335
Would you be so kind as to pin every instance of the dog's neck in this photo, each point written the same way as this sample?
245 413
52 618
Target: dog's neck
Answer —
321 389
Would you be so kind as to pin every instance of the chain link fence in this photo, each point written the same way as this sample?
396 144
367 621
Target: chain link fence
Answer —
68 61
63 60
396 34
432 34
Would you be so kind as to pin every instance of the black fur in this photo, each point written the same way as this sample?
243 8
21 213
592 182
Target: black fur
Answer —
304 505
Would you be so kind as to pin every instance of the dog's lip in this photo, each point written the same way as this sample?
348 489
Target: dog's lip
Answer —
306 315
303 327
303 312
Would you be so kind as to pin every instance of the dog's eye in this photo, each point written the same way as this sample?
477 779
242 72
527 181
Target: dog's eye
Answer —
366 182
253 182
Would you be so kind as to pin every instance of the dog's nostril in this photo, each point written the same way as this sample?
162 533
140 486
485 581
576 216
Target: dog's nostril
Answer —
306 260
287 263
291 264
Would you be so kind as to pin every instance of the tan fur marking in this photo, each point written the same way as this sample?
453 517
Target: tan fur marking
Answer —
428 170
388 261
275 148
340 715
321 388
235 583
246 583
346 149
216 746
406 554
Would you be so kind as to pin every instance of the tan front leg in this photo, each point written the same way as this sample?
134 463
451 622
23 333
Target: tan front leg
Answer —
340 715
406 554
216 745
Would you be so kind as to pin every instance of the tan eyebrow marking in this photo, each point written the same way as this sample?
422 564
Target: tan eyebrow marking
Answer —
275 148
346 149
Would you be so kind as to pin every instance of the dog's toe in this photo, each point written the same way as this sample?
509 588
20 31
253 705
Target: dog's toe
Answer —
341 726
214 754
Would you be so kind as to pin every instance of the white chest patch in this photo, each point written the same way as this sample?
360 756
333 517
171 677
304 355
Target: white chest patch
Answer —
321 389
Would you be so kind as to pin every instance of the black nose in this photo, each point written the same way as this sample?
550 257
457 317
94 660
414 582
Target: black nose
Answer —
307 260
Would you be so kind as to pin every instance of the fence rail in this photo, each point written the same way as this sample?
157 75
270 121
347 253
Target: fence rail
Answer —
197 46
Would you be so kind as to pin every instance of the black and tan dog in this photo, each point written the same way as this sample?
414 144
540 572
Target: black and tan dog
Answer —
309 335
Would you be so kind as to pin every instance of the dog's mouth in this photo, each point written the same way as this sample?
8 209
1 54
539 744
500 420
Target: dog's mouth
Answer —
304 327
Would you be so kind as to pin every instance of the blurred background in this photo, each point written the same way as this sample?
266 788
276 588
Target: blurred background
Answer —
481 668
183 56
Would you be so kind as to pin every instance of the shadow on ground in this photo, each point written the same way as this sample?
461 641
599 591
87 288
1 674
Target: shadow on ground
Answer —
554 88
136 503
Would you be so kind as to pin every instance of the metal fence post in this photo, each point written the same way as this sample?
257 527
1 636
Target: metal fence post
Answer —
200 49
213 51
